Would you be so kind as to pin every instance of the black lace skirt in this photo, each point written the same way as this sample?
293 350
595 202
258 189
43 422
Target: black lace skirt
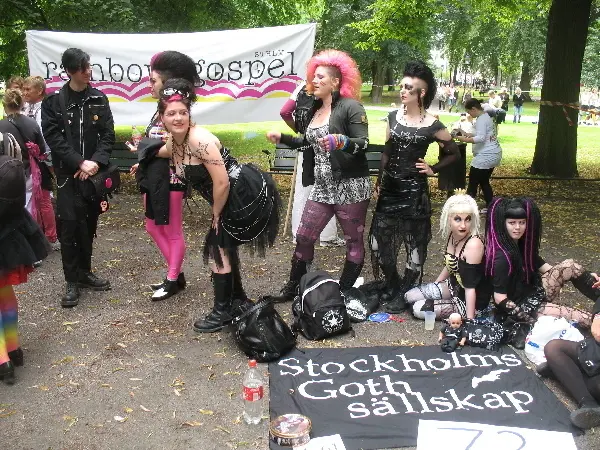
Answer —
401 221
250 216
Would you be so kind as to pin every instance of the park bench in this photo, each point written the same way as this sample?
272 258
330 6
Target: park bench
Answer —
282 160
122 157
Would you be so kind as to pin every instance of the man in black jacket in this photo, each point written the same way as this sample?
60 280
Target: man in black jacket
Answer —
78 127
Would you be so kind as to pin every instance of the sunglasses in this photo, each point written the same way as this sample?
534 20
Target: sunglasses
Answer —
168 92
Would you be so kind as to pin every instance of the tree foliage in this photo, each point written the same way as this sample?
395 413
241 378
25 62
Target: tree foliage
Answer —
130 16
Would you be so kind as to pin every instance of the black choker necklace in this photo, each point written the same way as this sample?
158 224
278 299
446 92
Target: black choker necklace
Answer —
455 243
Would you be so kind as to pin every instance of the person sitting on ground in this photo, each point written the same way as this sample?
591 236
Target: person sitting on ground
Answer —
564 362
294 113
524 285
461 287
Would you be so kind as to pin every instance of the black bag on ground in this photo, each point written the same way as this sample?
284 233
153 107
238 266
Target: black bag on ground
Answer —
319 310
484 334
261 333
358 305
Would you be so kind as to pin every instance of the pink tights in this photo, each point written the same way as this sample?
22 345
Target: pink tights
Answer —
169 238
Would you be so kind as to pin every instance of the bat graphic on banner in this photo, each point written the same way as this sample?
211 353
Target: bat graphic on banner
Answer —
492 376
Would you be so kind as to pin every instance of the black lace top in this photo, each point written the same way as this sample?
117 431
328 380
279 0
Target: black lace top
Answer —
407 144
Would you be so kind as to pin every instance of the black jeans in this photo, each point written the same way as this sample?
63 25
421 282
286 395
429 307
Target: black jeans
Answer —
78 221
480 177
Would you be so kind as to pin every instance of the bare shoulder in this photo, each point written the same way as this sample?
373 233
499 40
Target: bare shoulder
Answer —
474 250
200 136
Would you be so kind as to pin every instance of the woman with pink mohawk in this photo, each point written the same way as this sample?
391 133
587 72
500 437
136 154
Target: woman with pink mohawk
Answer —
337 137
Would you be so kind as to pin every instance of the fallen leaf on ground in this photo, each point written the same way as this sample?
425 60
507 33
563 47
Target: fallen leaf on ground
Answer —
120 419
206 412
143 408
170 356
128 410
223 429
191 424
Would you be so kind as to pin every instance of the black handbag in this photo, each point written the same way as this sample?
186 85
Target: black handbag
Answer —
588 353
484 334
108 178
261 333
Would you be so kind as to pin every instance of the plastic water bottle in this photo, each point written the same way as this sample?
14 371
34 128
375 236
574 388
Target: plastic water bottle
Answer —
253 390
136 136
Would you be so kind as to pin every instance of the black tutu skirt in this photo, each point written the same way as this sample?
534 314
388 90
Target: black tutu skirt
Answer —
250 216
22 243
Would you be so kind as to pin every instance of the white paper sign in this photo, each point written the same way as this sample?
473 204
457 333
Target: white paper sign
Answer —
324 443
436 434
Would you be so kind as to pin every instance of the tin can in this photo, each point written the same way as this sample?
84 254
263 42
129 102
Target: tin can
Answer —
290 430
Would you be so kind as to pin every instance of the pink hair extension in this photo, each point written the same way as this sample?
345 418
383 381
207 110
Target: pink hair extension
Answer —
529 238
351 81
156 55
489 263
175 98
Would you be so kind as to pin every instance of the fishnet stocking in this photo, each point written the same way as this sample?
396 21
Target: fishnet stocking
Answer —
556 277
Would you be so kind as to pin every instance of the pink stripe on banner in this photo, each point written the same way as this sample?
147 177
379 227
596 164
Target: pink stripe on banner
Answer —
228 88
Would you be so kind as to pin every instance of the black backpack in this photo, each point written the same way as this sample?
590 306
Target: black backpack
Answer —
319 309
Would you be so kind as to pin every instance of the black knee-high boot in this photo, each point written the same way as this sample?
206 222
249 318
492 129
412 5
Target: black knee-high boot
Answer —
583 284
220 316
393 297
350 274
288 292
238 294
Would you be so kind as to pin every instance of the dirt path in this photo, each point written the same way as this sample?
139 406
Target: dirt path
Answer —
120 371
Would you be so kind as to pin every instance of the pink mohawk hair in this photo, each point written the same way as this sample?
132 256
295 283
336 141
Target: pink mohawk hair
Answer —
156 55
351 81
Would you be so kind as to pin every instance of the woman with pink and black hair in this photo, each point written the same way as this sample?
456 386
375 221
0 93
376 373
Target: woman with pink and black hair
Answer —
163 191
524 285
336 139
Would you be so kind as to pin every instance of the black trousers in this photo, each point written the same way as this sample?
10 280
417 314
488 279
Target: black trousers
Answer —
480 177
78 220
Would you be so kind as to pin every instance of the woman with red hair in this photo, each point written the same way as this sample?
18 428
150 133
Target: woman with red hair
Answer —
336 138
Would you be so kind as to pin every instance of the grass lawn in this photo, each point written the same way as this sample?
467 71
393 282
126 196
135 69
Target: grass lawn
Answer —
248 141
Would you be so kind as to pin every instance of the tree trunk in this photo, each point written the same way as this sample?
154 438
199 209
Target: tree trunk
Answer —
378 81
525 83
455 74
390 81
556 144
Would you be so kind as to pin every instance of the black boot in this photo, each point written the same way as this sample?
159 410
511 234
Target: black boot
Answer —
584 283
397 304
350 274
87 280
7 372
289 291
238 294
71 297
220 316
16 356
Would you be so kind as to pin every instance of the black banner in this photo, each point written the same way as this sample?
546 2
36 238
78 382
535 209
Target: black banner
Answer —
374 396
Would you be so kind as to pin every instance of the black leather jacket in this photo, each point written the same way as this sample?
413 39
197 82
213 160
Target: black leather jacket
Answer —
348 117
91 125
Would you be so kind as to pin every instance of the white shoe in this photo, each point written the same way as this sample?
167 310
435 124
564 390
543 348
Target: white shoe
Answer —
336 242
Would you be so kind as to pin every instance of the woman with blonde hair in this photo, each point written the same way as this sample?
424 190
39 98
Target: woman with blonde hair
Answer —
336 138
461 286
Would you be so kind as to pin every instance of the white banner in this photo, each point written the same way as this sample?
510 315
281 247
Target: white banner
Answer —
246 75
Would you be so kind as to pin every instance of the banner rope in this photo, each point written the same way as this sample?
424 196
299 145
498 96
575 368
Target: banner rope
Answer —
574 105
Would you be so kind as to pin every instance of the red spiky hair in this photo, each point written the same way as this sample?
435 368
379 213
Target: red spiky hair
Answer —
350 83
